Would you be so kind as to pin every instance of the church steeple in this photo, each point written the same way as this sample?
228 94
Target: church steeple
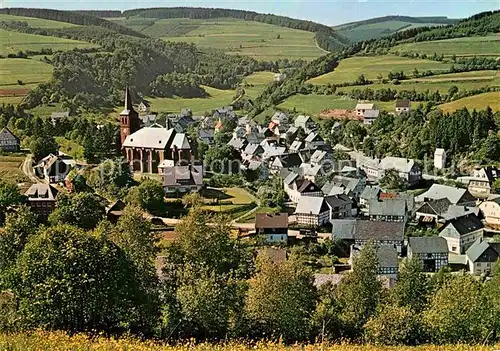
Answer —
129 118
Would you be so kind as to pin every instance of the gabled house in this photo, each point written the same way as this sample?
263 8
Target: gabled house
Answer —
369 116
310 171
390 210
431 252
407 169
182 123
361 108
369 193
143 107
403 105
341 206
281 118
252 152
291 161
238 143
55 168
438 212
180 180
297 146
148 120
306 123
457 196
490 210
296 187
225 113
273 226
354 185
312 211
360 232
321 157
482 257
8 141
387 257
481 181
314 140
41 199
206 136
461 233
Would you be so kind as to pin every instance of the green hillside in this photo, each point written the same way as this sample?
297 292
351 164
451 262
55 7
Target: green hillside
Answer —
235 36
36 22
383 26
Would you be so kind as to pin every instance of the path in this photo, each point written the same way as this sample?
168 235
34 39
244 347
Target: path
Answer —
319 47
27 169
257 202
171 222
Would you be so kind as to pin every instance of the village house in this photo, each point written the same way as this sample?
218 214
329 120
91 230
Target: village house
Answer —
457 196
291 161
206 136
360 232
42 199
311 172
296 187
279 77
8 141
114 210
390 210
225 113
273 226
440 158
481 180
297 145
182 123
369 116
407 168
314 140
387 257
252 152
57 116
281 118
361 108
238 143
482 257
403 106
369 193
436 213
431 252
461 233
490 210
148 120
306 123
55 168
180 180
316 211
143 107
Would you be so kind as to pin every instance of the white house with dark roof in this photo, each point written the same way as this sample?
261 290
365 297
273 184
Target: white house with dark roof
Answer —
482 257
312 211
439 158
180 180
42 199
387 257
407 168
461 233
295 187
273 226
481 181
314 140
306 123
403 105
369 116
8 141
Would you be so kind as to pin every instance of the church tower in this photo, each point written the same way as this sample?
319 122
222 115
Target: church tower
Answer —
129 118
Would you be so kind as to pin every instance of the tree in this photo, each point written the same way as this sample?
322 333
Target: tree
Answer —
112 177
148 195
223 159
71 280
393 325
84 210
359 292
412 288
280 299
459 312
9 196
272 194
43 146
392 181
133 235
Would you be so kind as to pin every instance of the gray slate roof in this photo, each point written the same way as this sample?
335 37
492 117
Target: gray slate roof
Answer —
428 245
438 191
311 205
183 176
367 230
389 207
466 225
370 192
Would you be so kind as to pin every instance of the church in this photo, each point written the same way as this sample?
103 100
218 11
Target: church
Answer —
147 149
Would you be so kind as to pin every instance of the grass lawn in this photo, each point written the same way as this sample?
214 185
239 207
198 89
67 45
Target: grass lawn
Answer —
233 201
70 147
29 71
251 217
37 22
421 86
13 42
257 83
199 106
10 169
487 45
235 36
313 104
459 77
350 69
478 102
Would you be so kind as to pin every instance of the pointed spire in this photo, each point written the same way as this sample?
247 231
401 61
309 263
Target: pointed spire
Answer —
128 100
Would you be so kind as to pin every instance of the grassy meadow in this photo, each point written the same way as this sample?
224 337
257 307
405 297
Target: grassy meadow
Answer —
29 71
478 102
36 22
10 169
468 46
257 82
350 69
59 341
13 42
259 40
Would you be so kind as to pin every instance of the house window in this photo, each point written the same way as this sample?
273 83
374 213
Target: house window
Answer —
454 248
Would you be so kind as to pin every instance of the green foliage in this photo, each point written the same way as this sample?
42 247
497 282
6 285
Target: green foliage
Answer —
459 312
280 299
393 325
68 279
84 210
392 181
112 178
412 288
177 84
9 196
43 146
359 292
148 195
272 194
223 159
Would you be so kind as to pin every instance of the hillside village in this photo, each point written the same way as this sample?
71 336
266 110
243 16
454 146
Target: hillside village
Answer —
171 191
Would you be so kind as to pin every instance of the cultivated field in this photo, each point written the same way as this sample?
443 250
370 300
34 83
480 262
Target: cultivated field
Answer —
10 169
350 69
199 106
469 46
58 341
460 77
257 82
29 71
255 39
36 22
478 102
13 42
